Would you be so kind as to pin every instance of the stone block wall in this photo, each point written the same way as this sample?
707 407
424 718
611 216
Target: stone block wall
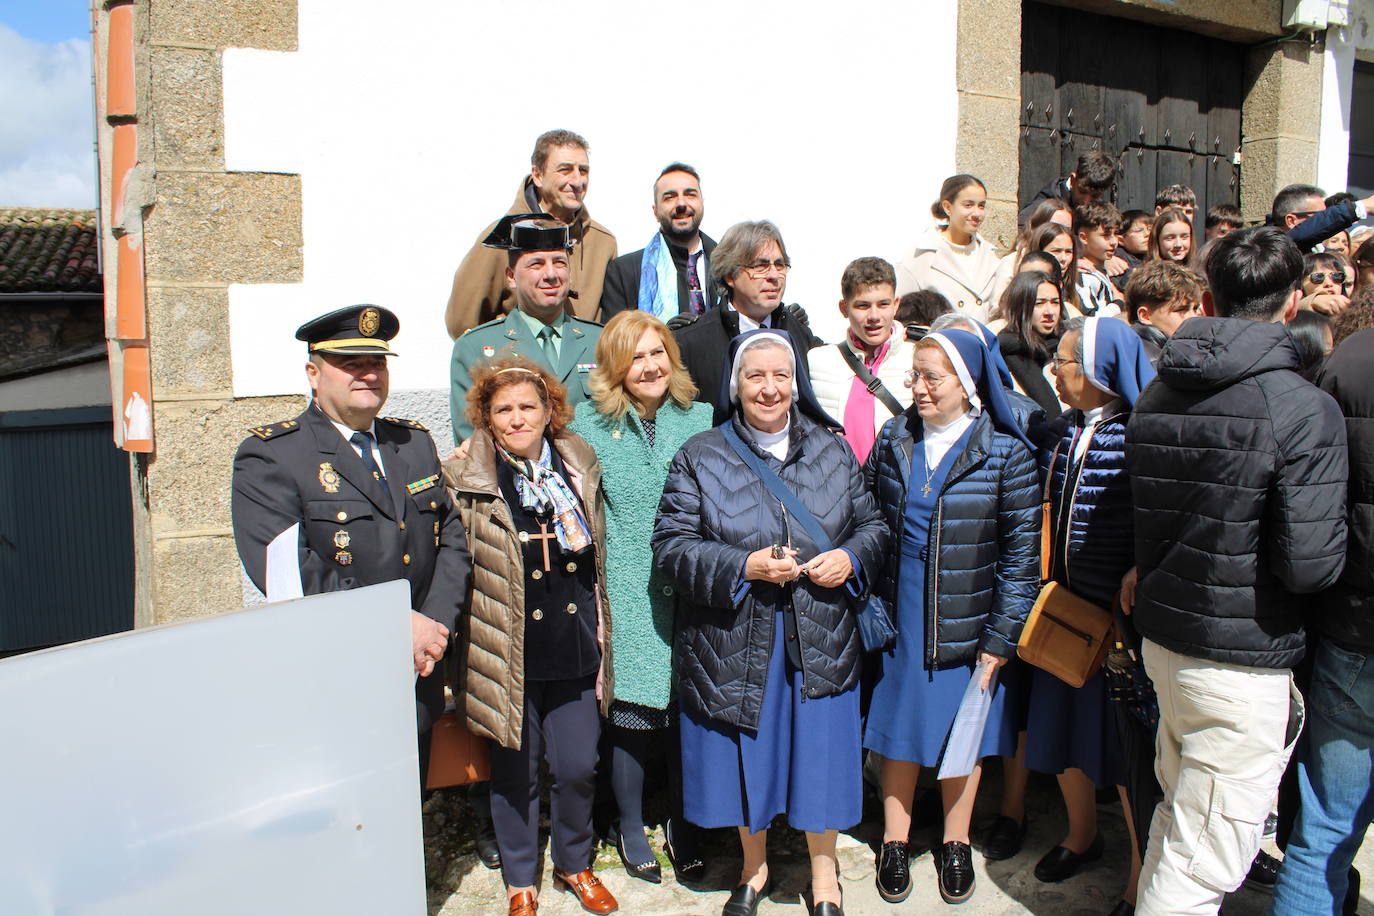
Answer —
201 229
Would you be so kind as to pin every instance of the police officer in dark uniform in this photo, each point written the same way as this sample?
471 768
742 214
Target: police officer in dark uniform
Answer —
366 492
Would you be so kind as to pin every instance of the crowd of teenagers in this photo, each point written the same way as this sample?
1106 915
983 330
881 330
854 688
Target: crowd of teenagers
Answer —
695 527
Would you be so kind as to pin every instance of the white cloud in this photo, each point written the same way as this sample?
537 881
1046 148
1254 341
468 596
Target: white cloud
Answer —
47 142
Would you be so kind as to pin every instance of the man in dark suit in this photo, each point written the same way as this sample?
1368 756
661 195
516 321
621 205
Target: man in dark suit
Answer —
364 493
750 267
644 279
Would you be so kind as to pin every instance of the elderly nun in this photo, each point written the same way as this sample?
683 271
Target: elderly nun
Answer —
767 652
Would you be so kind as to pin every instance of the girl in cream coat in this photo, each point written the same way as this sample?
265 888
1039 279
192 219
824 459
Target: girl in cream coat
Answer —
952 258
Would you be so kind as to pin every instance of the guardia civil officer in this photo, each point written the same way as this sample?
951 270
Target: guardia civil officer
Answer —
365 490
541 328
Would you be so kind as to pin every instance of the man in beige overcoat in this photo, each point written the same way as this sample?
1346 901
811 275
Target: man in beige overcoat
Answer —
557 185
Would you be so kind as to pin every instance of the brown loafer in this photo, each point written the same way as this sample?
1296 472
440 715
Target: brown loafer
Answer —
524 904
591 893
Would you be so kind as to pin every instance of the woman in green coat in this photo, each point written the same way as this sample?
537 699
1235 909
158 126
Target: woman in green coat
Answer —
643 412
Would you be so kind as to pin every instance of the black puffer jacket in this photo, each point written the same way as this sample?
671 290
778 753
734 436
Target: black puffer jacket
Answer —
1029 370
985 572
1347 613
1238 474
713 514
1090 505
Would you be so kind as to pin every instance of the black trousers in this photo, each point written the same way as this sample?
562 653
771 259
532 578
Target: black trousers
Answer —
562 725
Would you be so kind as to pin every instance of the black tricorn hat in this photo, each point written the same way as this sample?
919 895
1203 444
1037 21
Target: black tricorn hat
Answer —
352 329
529 232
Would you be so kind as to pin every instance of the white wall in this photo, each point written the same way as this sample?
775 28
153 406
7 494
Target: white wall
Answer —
1343 41
412 125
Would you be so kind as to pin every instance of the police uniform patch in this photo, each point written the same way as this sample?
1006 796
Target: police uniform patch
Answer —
410 424
342 538
274 429
343 558
369 322
329 480
488 351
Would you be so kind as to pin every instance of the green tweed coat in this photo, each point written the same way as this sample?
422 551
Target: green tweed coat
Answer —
641 598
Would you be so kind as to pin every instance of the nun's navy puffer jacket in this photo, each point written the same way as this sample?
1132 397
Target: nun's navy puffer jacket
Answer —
715 512
984 571
1092 519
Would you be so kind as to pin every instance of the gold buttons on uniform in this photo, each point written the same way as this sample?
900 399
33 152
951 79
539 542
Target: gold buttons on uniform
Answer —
572 567
341 516
537 574
571 608
403 526
405 558
538 614
433 504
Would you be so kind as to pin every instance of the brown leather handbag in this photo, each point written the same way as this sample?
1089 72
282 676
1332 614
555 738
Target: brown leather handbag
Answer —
456 756
1064 634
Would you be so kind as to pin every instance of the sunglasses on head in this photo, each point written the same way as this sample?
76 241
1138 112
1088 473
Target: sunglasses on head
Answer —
1337 276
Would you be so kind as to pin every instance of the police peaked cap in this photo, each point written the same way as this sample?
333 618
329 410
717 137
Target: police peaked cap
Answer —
352 329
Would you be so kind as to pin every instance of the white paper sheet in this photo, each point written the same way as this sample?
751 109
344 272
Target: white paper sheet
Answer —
966 735
284 566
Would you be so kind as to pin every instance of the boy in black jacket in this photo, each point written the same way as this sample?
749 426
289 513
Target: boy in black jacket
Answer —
1238 471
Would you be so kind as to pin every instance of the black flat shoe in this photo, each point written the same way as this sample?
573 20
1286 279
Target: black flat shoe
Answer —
744 900
828 908
1003 839
488 853
1061 863
1263 874
894 871
1123 908
954 866
646 871
687 863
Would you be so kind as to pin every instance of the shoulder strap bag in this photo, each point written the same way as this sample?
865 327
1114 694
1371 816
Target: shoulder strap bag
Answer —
870 381
1064 634
876 628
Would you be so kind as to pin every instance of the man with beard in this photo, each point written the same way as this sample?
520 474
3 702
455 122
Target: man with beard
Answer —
749 267
557 184
669 276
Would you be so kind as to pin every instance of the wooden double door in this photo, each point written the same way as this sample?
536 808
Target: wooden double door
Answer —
1165 102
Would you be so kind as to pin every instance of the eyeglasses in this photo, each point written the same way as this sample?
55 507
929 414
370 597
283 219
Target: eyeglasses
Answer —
759 269
931 379
1337 276
1060 362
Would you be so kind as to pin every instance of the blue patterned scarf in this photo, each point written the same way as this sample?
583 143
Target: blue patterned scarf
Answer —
544 492
658 280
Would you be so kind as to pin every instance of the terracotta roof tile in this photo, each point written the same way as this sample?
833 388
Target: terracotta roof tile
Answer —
48 251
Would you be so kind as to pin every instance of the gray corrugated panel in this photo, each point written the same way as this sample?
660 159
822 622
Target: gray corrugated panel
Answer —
66 538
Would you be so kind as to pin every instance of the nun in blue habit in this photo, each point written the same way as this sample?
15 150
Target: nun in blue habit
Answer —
766 651
1100 369
955 477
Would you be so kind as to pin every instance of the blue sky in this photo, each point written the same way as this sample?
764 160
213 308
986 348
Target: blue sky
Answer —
47 152
47 21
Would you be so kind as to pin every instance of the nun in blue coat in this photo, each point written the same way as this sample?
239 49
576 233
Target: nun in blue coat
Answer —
1100 369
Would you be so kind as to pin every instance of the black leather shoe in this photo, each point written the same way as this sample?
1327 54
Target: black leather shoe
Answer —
894 872
1263 874
1061 863
830 909
744 900
682 852
954 865
487 850
1003 839
645 871
1123 908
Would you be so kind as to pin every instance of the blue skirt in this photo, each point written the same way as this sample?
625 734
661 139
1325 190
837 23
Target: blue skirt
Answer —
913 708
1073 727
804 761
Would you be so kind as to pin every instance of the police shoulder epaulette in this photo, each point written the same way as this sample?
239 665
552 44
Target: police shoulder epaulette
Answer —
413 424
587 321
275 429
485 324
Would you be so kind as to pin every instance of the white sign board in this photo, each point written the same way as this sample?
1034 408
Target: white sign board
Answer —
261 762
412 131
